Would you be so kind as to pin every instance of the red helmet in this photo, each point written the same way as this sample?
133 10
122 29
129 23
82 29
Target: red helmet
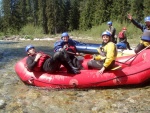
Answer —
124 28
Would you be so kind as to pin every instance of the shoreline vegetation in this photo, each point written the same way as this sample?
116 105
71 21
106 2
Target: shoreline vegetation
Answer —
35 33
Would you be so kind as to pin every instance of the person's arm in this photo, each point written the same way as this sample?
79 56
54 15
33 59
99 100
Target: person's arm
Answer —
73 44
113 31
30 63
138 25
125 37
32 60
58 45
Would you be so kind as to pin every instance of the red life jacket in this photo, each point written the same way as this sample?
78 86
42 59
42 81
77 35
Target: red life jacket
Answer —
71 48
41 61
121 34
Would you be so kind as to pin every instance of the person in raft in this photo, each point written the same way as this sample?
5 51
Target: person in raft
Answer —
69 45
143 43
107 55
39 61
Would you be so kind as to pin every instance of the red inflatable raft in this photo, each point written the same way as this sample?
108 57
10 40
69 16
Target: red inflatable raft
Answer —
133 69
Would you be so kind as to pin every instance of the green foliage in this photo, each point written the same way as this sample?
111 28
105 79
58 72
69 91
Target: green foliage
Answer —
29 31
74 15
137 9
133 33
146 5
57 16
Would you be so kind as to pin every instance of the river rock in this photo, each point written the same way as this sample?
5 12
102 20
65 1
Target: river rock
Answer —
2 104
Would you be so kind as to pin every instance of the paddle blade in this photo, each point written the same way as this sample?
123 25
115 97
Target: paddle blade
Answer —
115 68
88 56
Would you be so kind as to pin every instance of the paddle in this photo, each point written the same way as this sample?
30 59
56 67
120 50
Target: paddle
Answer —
86 56
115 68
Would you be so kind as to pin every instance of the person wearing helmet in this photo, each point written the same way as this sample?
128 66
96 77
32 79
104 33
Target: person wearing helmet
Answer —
107 55
123 38
139 25
143 27
39 61
112 30
144 42
69 45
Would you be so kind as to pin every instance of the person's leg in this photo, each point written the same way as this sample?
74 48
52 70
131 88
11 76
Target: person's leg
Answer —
66 61
115 40
77 63
51 66
128 46
139 47
93 64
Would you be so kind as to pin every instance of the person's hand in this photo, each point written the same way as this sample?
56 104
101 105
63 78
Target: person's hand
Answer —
60 49
38 55
93 58
65 46
101 70
129 16
78 54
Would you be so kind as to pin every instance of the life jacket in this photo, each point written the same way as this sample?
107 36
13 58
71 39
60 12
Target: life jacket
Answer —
146 35
102 54
121 34
70 48
41 61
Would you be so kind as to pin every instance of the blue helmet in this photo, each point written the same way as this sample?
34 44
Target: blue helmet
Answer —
64 34
109 23
147 19
106 33
28 47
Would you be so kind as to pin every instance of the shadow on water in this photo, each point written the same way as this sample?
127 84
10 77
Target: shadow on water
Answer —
8 42
144 85
10 50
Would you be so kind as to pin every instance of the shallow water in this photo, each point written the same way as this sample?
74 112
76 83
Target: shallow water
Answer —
16 97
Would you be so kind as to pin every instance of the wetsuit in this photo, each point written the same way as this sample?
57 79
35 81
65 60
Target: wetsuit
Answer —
53 63
71 49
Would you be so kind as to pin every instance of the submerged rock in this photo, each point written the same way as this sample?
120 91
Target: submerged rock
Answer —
2 104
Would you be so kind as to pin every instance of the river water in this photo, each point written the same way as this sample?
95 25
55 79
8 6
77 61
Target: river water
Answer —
16 97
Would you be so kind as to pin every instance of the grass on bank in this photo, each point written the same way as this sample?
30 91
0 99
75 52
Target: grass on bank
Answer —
133 33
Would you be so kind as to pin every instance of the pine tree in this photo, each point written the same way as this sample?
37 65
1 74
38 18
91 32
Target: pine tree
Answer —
86 14
146 10
137 9
119 11
74 15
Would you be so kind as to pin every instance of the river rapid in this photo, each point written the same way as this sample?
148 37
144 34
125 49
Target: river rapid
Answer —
16 97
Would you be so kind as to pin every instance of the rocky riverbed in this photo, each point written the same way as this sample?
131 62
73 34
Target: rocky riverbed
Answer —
16 97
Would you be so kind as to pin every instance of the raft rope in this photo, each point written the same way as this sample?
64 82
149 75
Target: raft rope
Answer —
134 56
95 83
